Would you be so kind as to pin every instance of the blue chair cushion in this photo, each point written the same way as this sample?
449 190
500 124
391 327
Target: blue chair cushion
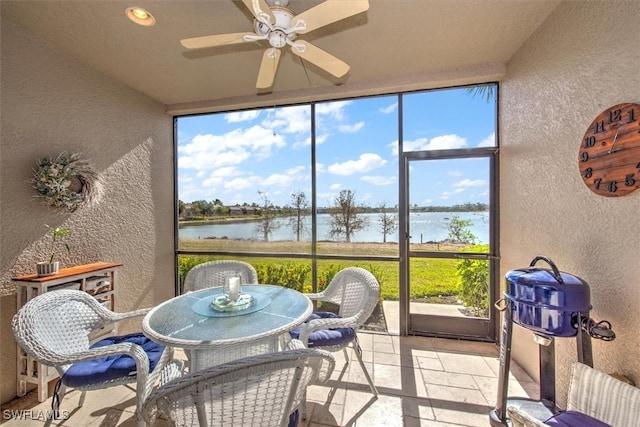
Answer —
325 337
294 418
112 367
574 419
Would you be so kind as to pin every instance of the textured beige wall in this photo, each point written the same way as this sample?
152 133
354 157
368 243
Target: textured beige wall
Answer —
51 103
582 60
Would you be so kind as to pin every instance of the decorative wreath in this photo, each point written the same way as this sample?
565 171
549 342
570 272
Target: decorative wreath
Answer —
65 182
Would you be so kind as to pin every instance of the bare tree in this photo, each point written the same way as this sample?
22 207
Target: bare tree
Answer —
388 222
300 206
345 218
267 224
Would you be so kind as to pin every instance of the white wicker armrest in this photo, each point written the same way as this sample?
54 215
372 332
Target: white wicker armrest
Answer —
522 419
131 314
295 345
113 317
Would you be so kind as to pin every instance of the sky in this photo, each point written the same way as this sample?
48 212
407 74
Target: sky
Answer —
252 155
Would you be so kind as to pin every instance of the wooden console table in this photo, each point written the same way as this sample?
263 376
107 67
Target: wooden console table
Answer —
97 279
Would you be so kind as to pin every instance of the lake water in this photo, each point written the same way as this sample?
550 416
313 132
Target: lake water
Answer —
425 227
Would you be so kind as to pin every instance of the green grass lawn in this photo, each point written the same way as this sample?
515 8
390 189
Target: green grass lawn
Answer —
430 278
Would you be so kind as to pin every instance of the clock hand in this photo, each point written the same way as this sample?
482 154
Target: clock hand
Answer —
615 138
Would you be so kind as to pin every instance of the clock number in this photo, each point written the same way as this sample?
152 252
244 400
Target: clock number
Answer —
612 187
629 180
599 127
588 172
597 183
589 142
584 156
615 115
632 116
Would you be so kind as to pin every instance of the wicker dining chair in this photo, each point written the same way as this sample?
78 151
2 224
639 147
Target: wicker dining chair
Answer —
258 391
357 292
54 328
212 274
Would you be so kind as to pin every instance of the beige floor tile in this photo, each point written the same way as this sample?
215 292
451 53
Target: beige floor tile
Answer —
383 348
465 364
394 359
463 418
325 415
415 407
450 379
383 411
451 396
428 363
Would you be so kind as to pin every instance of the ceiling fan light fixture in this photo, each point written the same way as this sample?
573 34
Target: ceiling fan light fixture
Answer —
282 3
140 16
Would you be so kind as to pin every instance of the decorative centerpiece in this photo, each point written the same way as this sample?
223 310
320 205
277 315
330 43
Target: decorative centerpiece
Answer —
232 298
65 182
50 267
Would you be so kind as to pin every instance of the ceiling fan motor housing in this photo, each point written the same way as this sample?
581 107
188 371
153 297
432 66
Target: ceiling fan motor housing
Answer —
277 36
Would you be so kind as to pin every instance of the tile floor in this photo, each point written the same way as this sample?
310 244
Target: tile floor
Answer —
421 381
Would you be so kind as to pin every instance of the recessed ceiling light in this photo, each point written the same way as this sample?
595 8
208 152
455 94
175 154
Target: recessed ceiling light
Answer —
140 16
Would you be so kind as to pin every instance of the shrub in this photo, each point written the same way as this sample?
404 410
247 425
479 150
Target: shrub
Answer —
473 279
290 275
326 275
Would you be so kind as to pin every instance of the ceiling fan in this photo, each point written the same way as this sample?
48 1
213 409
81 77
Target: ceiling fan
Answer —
280 26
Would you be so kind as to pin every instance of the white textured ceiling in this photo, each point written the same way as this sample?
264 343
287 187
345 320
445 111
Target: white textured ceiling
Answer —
395 40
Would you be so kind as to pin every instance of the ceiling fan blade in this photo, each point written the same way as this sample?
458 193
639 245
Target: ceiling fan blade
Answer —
319 57
268 68
260 9
328 12
216 40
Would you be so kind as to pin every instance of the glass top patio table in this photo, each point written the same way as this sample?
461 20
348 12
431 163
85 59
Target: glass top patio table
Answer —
177 323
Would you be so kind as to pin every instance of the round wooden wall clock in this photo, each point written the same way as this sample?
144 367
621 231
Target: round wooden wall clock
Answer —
609 155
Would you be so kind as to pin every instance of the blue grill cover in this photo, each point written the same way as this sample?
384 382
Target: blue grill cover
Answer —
547 301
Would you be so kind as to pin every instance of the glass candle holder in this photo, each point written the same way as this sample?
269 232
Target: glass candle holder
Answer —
232 287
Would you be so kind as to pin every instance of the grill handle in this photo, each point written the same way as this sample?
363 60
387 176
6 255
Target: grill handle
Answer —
556 272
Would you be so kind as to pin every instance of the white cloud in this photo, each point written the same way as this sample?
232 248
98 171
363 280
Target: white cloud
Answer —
278 180
445 142
470 183
289 120
206 152
335 187
379 180
389 109
442 142
351 128
447 194
489 141
320 139
394 147
219 176
240 183
226 172
333 109
241 116
365 163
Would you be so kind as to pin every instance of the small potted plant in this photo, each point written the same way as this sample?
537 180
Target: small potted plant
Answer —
47 268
